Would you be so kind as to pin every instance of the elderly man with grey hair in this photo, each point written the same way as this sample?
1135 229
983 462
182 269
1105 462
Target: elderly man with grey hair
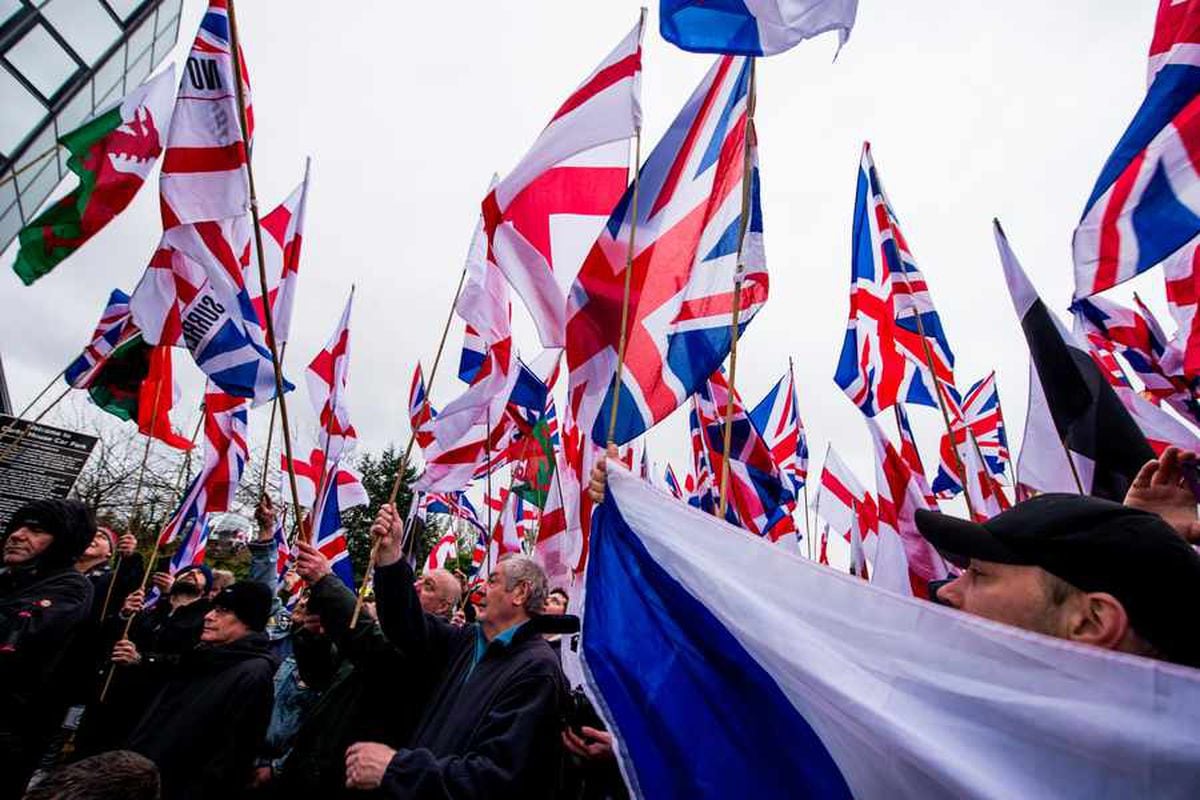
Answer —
491 727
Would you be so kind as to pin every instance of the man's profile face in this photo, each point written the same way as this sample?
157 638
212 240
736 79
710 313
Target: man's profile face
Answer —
25 544
99 547
1014 595
499 605
556 604
221 626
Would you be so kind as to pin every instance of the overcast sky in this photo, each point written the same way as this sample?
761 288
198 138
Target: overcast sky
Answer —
974 109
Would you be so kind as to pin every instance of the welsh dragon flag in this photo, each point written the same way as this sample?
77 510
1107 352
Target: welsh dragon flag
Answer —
112 153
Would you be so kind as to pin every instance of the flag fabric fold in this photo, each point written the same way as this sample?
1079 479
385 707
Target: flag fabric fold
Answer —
752 27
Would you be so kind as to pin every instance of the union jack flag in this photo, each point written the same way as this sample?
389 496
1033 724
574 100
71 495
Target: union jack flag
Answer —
687 256
701 491
455 504
283 230
1145 206
884 356
330 489
484 305
759 500
327 375
114 330
672 482
981 415
1136 335
577 166
225 454
912 456
192 546
420 410
778 421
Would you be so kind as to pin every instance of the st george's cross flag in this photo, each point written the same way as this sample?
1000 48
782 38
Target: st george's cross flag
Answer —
883 358
578 166
283 235
752 27
327 375
112 153
775 677
443 550
843 502
687 256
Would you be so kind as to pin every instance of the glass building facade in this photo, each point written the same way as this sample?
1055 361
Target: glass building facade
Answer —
60 62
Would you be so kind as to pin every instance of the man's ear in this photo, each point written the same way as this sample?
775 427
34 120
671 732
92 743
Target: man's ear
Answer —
520 594
1101 620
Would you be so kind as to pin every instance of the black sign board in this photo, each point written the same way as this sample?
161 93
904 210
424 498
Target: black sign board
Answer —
37 462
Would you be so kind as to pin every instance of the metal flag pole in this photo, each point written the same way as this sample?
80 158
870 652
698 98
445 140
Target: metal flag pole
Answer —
747 180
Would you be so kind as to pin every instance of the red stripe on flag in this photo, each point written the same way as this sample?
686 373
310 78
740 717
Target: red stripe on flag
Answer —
613 73
182 160
1110 237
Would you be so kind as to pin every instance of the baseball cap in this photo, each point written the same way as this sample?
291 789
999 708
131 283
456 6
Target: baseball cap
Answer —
1096 546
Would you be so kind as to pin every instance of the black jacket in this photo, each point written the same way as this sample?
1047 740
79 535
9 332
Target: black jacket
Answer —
374 697
91 648
40 614
492 733
208 720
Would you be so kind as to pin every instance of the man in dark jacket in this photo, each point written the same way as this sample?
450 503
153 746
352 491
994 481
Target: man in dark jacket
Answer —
491 728
209 719
43 602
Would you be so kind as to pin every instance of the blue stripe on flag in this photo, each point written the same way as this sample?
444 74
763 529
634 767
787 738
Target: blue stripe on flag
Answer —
696 715
1161 223
719 26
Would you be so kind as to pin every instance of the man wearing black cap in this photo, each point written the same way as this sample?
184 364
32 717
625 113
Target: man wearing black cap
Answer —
206 724
1077 568
43 602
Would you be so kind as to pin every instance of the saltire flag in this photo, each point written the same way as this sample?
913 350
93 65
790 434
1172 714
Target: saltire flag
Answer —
127 377
326 375
904 561
283 234
778 421
759 499
672 482
1137 337
420 411
912 456
577 166
883 358
1032 716
687 258
981 414
752 27
1105 444
443 550
112 154
843 502
225 452
1145 205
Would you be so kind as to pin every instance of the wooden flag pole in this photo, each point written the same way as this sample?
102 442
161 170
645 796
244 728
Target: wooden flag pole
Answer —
262 489
12 450
153 561
747 180
40 394
269 322
137 496
412 438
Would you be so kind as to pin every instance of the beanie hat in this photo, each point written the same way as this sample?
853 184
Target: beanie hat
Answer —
250 601
70 522
203 569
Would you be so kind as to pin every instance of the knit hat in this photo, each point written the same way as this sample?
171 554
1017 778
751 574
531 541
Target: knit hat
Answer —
250 601
70 522
202 569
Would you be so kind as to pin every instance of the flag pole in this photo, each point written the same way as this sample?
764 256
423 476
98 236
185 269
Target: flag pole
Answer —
412 438
262 489
12 450
153 560
269 322
747 180
40 394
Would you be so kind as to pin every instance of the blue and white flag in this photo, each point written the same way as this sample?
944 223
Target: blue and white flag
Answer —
752 27
726 667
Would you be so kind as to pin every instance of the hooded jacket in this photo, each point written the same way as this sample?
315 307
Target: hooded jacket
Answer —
491 729
209 719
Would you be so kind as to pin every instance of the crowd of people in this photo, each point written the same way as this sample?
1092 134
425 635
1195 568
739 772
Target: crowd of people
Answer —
209 687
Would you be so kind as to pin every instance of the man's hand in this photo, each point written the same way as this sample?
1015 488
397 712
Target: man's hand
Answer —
365 764
458 618
311 564
162 581
124 652
126 545
594 745
388 533
599 477
1160 487
264 515
133 603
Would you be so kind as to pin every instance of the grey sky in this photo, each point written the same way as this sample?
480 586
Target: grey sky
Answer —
974 109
